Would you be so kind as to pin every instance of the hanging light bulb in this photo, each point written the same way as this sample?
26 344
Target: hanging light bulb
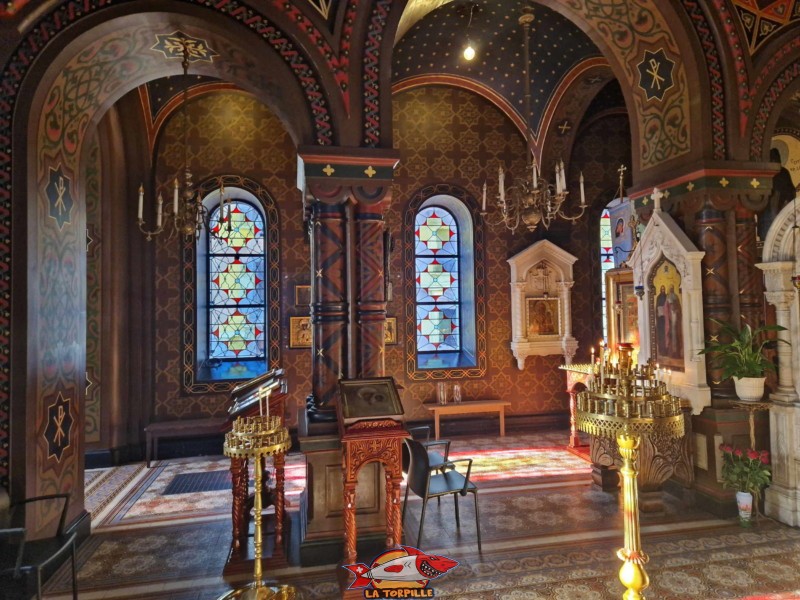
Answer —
469 50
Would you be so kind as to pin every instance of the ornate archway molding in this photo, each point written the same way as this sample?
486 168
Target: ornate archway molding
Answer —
781 258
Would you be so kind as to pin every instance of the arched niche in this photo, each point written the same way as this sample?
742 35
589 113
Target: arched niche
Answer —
663 240
780 263
541 313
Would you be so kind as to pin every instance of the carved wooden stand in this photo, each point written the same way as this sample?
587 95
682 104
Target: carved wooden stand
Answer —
240 559
364 442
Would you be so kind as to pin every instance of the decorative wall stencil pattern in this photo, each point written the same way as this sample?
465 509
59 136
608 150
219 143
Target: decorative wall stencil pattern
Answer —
324 7
587 88
655 74
59 196
714 67
58 431
94 264
629 29
371 70
465 139
229 132
599 151
180 45
162 91
771 97
761 19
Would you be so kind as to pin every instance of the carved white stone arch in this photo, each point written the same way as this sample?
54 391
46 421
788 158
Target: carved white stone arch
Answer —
781 261
664 238
543 270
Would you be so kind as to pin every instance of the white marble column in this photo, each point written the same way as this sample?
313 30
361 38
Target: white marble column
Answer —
518 326
782 300
782 497
781 293
569 345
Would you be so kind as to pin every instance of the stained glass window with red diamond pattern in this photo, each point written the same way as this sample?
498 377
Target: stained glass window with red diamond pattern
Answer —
236 303
437 257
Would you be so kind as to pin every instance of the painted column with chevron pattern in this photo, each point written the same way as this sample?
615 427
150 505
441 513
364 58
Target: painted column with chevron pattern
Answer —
328 304
712 237
371 293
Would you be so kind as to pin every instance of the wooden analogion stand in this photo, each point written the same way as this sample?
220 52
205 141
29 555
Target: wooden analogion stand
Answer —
369 412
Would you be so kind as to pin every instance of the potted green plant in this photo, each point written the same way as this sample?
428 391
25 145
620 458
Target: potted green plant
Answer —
748 472
742 358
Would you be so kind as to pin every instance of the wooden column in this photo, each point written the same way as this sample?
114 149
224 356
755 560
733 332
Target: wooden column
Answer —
750 278
328 304
370 299
344 188
711 232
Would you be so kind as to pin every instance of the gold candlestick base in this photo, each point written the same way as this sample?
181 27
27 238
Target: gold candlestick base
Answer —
254 591
258 437
626 402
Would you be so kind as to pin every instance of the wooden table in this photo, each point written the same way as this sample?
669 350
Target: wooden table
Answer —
473 406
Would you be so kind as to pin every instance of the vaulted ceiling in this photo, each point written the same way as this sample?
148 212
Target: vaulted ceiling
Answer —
430 49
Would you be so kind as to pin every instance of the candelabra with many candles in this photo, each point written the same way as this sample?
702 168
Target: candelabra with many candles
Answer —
624 401
258 437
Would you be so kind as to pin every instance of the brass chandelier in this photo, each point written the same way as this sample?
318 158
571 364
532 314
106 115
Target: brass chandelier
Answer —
533 200
188 215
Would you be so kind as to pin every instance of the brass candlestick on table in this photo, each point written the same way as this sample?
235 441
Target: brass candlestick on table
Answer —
258 437
625 401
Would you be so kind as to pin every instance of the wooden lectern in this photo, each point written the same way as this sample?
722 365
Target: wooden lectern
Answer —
371 429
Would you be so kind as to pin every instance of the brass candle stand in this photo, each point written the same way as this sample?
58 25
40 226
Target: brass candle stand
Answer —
622 402
258 437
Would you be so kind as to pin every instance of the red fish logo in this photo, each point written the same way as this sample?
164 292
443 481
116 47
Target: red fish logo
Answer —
405 567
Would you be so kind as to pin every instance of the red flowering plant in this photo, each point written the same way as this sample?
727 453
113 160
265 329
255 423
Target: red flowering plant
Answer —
745 470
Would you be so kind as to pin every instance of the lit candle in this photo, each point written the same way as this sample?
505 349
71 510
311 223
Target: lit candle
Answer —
501 178
583 195
592 354
222 213
558 181
175 197
563 177
483 201
160 210
141 201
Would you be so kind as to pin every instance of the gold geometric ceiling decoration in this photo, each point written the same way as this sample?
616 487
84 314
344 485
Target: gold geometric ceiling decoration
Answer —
323 7
761 19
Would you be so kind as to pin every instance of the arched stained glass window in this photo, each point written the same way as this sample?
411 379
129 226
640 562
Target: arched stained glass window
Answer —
606 259
437 281
236 284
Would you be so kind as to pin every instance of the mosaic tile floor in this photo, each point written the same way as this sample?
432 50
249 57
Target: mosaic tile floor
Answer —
551 538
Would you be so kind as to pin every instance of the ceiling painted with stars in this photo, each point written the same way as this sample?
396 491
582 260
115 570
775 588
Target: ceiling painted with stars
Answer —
433 46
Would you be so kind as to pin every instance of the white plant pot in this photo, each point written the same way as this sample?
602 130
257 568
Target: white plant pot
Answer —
749 389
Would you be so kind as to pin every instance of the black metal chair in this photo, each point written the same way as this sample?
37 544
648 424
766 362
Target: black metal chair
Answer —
434 481
20 555
438 450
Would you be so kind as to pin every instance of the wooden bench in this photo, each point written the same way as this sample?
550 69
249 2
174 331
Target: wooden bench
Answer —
185 428
467 407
